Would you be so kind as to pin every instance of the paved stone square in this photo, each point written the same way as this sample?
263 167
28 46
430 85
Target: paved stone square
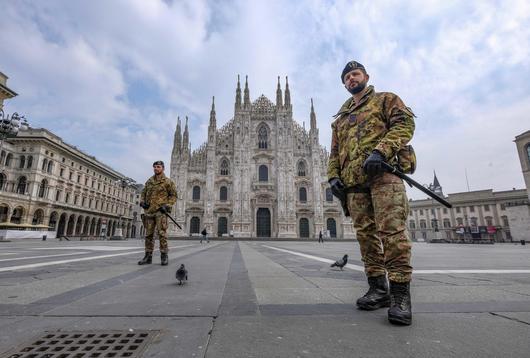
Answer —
265 299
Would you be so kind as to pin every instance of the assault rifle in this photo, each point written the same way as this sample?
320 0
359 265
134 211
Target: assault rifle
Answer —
415 184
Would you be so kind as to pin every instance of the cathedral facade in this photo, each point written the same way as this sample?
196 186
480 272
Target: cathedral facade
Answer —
260 175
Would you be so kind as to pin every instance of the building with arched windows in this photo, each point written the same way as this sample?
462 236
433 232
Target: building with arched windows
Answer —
260 175
45 181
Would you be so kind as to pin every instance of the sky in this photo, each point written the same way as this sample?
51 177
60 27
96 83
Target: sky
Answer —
111 77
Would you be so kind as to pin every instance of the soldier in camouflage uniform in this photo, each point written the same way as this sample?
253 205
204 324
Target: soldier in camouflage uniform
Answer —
370 128
157 198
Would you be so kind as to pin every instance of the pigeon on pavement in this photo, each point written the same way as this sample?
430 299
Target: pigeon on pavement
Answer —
340 263
182 274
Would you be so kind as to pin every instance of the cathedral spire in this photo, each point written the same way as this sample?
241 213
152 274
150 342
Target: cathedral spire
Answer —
313 117
213 120
246 99
186 137
177 139
287 93
279 101
238 95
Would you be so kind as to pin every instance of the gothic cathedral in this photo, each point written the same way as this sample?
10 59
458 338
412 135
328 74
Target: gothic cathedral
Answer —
260 175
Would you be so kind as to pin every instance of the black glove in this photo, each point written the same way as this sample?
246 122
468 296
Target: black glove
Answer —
373 165
144 205
337 187
165 209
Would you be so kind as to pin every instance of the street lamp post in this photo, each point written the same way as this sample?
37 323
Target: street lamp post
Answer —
9 128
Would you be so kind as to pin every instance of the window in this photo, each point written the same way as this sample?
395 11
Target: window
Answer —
503 206
50 167
2 157
412 224
445 210
225 167
76 199
447 223
57 195
486 207
489 221
78 178
504 219
223 193
22 161
423 224
196 194
44 164
459 221
61 173
528 151
67 198
301 168
30 162
21 185
471 209
432 211
474 221
302 194
458 210
329 194
263 173
9 158
421 211
83 201
42 188
3 181
262 137
70 176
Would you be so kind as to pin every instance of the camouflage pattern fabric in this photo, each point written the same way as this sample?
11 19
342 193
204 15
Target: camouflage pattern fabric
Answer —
157 222
159 191
380 218
380 121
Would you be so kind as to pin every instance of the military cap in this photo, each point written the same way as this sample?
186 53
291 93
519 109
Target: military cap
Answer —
350 66
158 162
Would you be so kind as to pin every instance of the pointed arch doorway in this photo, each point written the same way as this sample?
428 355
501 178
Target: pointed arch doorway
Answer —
263 222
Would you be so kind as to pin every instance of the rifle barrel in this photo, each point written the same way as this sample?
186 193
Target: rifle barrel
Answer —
417 185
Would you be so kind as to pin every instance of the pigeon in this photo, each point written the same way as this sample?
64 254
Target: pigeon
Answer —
340 263
182 274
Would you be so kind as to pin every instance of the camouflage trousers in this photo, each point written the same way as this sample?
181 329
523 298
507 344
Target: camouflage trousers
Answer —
380 220
156 222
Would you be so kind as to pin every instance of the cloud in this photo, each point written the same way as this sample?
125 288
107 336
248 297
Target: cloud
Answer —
111 77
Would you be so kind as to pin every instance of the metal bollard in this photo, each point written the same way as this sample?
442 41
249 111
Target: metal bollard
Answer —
43 237
523 242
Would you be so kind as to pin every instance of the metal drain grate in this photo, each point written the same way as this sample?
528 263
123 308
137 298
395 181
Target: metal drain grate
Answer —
86 344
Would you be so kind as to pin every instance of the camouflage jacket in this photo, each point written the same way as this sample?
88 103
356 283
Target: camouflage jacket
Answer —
379 121
157 192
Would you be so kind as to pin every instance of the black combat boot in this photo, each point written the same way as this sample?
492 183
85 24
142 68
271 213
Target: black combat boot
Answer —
148 258
164 259
377 295
400 306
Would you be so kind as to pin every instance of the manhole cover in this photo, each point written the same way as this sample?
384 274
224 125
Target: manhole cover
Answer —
85 344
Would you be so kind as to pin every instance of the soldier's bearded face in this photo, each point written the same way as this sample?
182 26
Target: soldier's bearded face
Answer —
355 81
158 169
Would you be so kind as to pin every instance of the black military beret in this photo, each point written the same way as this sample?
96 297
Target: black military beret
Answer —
158 162
350 66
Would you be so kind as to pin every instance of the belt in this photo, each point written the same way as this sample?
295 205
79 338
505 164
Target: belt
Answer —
357 189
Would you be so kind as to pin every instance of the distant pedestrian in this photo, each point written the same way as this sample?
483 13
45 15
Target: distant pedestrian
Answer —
204 236
320 237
